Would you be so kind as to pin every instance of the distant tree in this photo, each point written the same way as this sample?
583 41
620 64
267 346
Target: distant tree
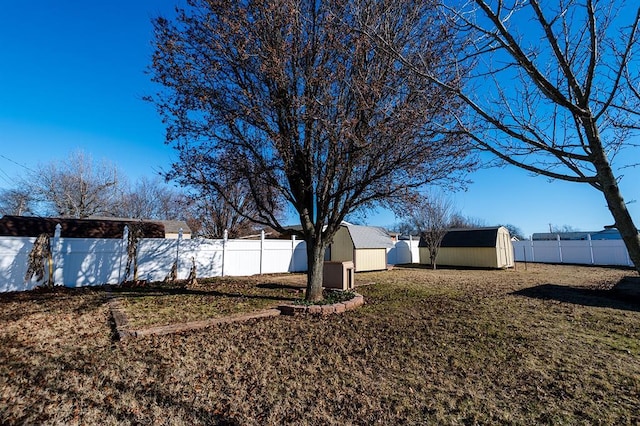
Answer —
514 231
152 199
431 217
291 100
563 228
466 222
17 202
211 214
77 187
554 89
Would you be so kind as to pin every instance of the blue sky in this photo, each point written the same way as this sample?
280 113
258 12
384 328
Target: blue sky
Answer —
72 77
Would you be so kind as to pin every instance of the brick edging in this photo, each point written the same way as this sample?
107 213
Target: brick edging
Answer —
118 315
124 332
336 308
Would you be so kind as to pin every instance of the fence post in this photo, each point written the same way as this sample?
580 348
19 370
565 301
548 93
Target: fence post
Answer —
293 252
178 253
225 238
559 247
410 248
590 248
261 249
123 252
57 273
533 250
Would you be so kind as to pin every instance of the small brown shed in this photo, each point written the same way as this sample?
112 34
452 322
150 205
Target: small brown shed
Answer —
478 247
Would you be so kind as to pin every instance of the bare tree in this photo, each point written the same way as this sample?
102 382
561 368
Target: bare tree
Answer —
553 89
213 215
76 187
431 216
300 108
457 220
18 202
561 229
152 199
515 231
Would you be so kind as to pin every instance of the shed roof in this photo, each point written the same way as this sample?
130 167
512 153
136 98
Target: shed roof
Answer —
364 237
476 237
27 226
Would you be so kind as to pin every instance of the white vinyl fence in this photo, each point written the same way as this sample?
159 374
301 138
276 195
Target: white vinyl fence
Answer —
404 251
588 252
79 262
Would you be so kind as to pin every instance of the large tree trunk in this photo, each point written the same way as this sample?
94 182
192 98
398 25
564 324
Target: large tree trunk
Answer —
620 213
315 262
611 190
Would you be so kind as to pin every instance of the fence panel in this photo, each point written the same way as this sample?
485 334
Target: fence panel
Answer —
610 252
596 252
14 255
87 261
242 257
576 252
403 251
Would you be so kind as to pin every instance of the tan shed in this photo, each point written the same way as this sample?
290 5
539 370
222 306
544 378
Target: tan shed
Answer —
478 248
365 246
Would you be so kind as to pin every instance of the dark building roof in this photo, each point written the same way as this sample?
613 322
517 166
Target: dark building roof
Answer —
170 226
25 226
478 237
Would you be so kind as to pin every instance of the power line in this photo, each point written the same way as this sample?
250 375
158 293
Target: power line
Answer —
16 163
5 176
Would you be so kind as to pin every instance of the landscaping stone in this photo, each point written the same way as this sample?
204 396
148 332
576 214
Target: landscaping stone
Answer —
336 308
314 309
292 309
349 305
327 309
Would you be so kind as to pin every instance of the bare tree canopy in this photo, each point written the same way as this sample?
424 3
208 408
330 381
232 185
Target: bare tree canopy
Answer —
151 199
554 89
18 202
76 187
212 215
289 99
431 216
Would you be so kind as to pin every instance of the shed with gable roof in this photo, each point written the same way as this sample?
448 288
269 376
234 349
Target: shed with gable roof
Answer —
477 248
365 246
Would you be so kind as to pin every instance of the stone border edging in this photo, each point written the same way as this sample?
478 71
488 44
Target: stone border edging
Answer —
124 332
336 308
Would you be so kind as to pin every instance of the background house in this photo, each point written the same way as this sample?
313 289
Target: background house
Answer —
365 246
479 248
605 234
172 228
27 226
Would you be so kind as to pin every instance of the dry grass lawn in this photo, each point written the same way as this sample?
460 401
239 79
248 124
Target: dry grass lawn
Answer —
156 305
546 345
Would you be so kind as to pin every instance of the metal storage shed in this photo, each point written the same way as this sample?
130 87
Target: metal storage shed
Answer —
365 246
479 247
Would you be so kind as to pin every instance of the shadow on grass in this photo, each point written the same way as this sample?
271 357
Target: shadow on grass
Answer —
625 295
136 292
428 267
275 286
